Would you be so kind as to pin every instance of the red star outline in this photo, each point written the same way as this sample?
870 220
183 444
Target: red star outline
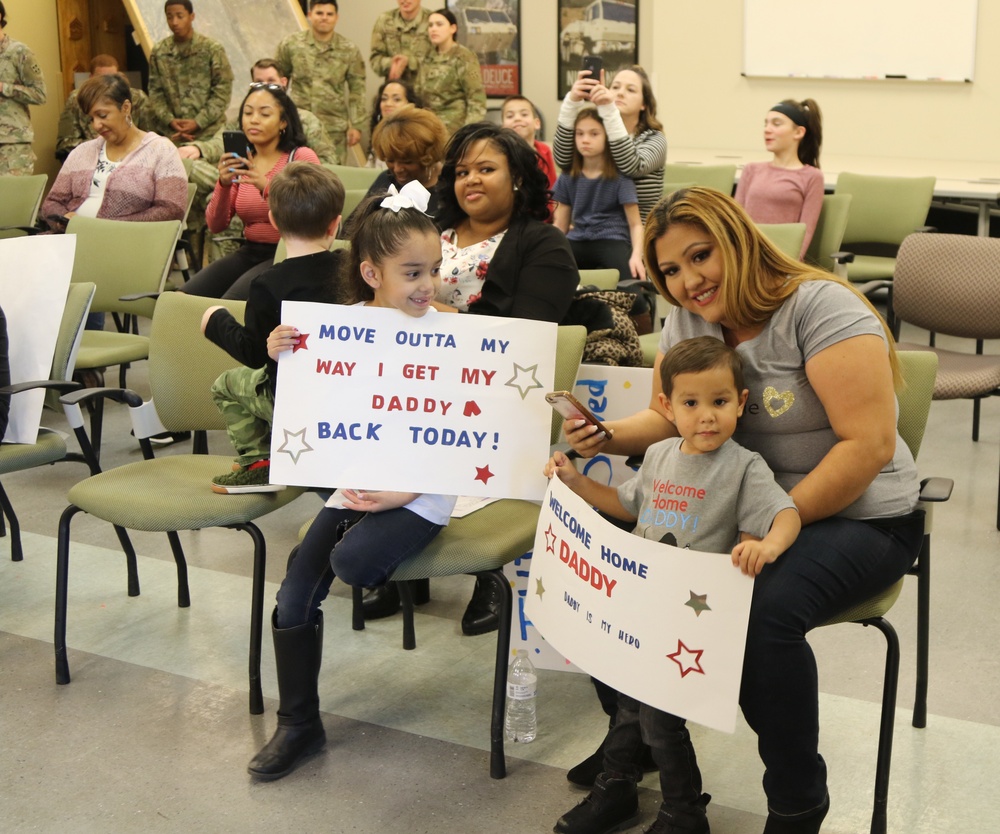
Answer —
483 474
682 649
302 343
550 540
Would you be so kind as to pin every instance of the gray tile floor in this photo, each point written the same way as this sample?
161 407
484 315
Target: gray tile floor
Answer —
154 735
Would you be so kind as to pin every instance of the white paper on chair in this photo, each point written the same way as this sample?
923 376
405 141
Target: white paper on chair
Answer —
34 278
664 625
446 404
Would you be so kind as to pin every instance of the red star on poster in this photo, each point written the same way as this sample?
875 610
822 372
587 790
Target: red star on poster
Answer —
687 659
483 474
302 343
550 540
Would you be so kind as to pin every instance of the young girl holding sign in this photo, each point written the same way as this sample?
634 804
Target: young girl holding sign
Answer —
360 535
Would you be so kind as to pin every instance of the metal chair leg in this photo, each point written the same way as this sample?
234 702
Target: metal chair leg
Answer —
498 764
62 578
7 510
183 590
923 573
357 608
256 613
406 598
889 687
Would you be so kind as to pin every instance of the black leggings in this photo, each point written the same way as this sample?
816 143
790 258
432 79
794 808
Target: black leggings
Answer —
230 277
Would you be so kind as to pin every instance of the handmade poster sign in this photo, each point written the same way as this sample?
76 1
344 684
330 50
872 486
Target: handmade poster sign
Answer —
664 625
33 287
375 399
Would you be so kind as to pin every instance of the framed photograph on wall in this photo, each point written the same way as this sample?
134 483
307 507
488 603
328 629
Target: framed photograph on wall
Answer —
492 29
608 29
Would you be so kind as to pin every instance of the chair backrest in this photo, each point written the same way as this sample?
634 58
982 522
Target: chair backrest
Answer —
192 193
949 284
353 177
787 237
183 364
78 299
829 234
20 198
603 279
918 368
123 258
282 252
670 187
569 352
719 177
352 198
885 209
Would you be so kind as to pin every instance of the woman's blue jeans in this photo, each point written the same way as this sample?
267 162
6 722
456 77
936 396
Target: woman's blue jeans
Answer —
365 555
834 564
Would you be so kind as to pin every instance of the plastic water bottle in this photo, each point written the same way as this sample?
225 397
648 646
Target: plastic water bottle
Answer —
520 721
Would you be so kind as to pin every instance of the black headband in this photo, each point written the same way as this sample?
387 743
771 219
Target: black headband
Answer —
793 113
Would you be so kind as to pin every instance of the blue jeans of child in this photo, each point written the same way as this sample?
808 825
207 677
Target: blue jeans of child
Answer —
366 555
834 564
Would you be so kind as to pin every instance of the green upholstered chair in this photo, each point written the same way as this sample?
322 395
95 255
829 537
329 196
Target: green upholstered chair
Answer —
720 177
829 234
123 259
918 370
353 177
884 211
603 279
50 445
172 493
20 198
787 237
282 252
670 187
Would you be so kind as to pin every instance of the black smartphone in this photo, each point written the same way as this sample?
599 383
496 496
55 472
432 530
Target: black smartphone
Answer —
235 142
594 63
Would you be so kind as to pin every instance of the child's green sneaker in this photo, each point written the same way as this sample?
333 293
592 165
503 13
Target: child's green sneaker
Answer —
252 478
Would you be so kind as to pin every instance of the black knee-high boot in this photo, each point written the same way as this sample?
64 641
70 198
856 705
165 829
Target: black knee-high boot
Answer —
298 652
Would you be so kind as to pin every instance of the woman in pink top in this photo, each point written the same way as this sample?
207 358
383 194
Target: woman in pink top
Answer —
274 137
789 188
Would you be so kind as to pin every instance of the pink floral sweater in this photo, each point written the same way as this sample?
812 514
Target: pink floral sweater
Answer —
148 184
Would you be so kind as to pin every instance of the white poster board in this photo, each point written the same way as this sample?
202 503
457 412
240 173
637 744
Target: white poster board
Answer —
664 625
445 404
35 273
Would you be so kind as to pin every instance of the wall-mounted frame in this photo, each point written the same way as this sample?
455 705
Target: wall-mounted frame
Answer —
608 28
492 29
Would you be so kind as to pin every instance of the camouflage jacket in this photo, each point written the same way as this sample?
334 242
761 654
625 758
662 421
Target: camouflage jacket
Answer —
21 84
451 86
392 35
316 138
74 124
318 72
191 80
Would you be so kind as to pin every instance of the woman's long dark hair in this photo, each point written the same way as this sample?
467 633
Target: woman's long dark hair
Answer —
411 98
531 186
293 135
811 143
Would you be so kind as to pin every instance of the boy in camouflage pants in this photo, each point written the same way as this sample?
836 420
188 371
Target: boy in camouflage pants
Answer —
305 202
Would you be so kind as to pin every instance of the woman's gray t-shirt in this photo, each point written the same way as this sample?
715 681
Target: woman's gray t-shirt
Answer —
784 421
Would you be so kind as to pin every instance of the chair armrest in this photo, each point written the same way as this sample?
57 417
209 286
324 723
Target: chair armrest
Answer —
59 385
119 395
29 230
926 229
936 489
842 257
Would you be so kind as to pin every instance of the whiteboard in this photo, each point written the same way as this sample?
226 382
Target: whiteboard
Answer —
922 40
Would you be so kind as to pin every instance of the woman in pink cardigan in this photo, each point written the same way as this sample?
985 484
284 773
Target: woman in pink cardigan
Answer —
123 174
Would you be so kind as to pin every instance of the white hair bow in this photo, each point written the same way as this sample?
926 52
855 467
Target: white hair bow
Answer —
412 195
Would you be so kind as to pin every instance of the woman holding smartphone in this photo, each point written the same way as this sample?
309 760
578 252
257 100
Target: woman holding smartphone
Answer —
274 137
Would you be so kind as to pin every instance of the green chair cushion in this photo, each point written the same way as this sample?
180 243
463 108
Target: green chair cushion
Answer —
876 606
871 268
49 448
650 344
485 540
100 348
172 493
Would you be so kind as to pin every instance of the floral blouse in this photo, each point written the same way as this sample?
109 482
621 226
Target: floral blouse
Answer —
463 270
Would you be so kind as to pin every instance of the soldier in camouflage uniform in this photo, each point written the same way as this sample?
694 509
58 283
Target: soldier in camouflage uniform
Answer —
74 124
21 84
190 79
205 155
320 63
450 81
399 42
